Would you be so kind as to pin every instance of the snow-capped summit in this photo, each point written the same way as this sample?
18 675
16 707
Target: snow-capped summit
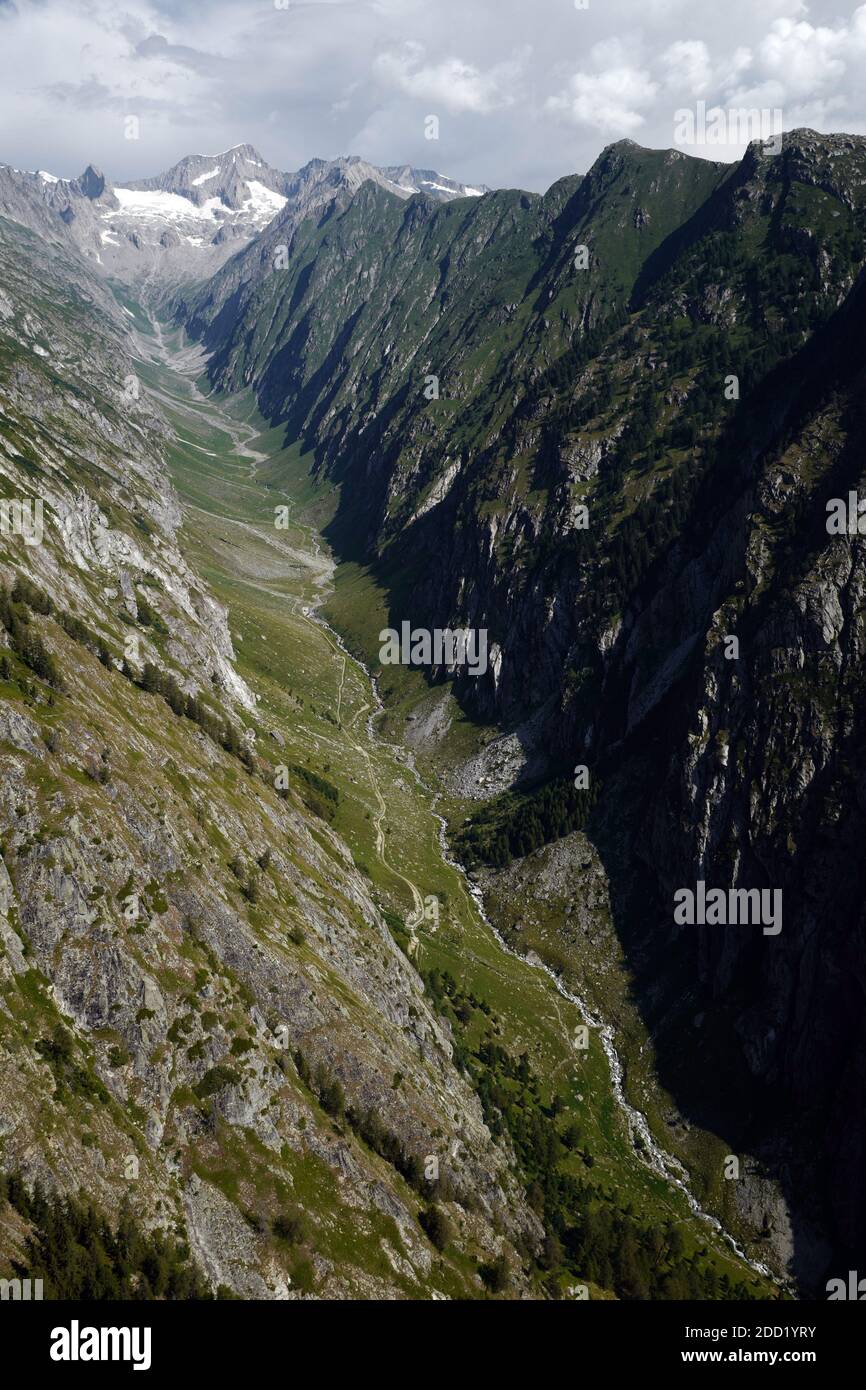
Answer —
201 210
233 177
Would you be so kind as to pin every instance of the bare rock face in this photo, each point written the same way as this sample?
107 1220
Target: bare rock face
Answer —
92 184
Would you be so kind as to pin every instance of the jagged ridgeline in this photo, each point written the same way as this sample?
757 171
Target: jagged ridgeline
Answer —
603 425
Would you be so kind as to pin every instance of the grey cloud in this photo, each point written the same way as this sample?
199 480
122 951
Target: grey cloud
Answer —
158 46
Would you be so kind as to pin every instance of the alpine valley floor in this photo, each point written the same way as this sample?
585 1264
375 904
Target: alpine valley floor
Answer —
232 473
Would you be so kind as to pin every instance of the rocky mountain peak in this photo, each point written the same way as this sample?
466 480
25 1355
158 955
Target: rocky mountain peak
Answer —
92 183
228 176
243 151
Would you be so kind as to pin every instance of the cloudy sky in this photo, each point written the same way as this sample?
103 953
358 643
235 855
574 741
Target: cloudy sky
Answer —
524 90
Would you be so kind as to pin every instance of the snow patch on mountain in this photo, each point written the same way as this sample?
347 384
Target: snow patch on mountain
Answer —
263 199
170 206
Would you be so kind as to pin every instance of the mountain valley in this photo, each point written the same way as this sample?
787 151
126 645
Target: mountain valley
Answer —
335 972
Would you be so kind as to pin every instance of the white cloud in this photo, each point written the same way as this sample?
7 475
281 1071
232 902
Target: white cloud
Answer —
451 84
802 57
608 101
687 65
